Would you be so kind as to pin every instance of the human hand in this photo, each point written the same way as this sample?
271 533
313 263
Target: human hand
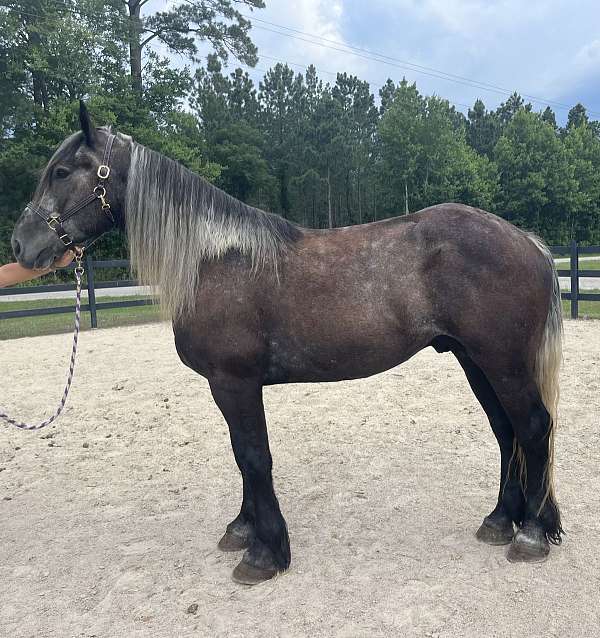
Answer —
65 260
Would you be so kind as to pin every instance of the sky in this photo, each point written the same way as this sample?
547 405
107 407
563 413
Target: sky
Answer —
546 49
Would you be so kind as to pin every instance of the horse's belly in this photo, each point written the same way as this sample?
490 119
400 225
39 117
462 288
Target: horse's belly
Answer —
297 361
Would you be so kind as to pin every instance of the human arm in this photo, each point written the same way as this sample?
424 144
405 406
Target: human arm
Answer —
11 274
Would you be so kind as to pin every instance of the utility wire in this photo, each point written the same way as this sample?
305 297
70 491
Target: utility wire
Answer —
436 75
304 66
347 48
400 61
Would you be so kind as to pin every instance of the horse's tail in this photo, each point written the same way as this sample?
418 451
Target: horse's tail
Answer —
547 367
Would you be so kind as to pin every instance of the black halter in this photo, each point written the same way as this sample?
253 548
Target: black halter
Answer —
55 221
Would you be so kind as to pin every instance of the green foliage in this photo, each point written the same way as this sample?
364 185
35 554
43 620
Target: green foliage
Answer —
318 153
425 158
215 21
483 129
577 117
582 146
538 186
244 170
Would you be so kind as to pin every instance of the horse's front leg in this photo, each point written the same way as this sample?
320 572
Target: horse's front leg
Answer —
260 520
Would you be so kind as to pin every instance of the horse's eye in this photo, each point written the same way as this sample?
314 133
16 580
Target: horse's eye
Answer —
61 173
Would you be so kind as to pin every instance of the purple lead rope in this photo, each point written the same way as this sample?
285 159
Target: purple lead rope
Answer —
25 426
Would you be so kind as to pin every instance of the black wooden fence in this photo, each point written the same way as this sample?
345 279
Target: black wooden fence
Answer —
573 272
92 306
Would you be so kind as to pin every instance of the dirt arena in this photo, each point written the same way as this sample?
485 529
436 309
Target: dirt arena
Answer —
109 520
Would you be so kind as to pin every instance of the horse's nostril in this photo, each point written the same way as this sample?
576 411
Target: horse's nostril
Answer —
16 247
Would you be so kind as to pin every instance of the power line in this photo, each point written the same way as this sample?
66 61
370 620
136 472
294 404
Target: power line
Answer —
347 48
167 49
385 59
379 55
393 59
400 66
371 82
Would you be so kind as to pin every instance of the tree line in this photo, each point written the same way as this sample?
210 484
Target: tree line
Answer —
320 153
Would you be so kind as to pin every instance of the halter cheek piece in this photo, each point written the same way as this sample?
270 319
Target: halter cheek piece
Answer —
55 221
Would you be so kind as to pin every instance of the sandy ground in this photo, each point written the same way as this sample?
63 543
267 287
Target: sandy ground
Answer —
109 521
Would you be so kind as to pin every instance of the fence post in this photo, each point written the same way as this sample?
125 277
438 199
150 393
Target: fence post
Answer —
89 266
574 280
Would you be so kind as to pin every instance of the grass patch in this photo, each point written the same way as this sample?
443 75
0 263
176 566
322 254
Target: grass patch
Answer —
584 264
54 324
592 264
587 309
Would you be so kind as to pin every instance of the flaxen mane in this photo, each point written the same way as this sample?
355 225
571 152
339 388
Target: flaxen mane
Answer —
176 221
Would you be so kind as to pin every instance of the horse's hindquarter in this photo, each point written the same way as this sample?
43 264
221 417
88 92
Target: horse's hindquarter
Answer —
489 284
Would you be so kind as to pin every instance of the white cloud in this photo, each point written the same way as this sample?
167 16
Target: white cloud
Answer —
320 18
545 48
588 57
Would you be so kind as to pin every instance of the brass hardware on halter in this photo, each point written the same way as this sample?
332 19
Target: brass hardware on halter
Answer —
103 171
79 270
100 193
55 223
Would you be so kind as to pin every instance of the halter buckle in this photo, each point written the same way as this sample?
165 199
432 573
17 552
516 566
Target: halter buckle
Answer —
103 171
53 221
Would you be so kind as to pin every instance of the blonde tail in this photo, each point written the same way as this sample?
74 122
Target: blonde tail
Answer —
547 367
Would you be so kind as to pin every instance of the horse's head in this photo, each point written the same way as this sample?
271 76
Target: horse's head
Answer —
79 196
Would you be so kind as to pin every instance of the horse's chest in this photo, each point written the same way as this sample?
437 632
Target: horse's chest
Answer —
221 342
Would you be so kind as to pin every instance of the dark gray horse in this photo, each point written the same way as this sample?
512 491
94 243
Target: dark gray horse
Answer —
257 300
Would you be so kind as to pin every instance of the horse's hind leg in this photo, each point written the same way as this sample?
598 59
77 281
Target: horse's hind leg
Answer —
532 425
240 401
497 527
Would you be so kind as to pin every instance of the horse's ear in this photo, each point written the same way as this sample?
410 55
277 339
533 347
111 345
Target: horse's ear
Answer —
89 132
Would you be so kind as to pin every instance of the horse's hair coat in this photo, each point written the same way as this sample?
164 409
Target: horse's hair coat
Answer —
176 221
328 305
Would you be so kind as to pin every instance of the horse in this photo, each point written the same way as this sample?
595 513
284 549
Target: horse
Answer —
255 300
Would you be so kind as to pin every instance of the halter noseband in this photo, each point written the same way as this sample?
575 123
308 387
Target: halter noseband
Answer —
55 221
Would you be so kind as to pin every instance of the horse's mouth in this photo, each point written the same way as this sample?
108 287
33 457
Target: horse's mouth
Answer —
45 260
61 261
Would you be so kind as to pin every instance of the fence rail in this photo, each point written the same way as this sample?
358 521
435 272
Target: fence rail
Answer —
574 273
572 251
92 306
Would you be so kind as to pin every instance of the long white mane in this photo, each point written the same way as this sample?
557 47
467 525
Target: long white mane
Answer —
176 221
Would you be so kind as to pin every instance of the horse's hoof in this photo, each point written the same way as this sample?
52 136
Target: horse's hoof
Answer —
231 542
528 546
247 574
495 533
